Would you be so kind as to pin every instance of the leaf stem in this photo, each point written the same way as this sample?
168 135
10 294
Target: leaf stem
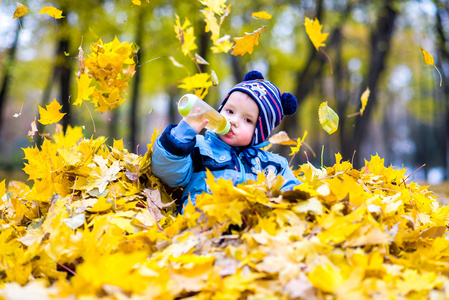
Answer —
353 115
93 122
329 59
441 78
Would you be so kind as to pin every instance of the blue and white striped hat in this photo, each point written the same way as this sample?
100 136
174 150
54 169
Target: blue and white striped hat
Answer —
272 104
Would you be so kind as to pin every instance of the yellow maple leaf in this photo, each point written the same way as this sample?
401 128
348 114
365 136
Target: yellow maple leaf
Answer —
364 100
51 114
261 15
211 23
136 2
20 11
185 35
328 118
84 91
428 59
216 6
313 30
246 44
52 12
298 143
102 205
222 45
199 82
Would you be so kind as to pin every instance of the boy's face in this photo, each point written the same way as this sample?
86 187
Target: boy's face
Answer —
243 113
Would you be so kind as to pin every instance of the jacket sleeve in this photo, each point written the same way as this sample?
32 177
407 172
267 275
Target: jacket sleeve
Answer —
171 160
287 173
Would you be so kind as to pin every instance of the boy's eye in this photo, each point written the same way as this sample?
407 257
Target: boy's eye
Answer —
229 111
249 121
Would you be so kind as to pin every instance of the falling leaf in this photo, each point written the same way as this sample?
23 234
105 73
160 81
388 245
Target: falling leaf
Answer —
185 35
216 6
20 11
214 78
19 114
81 63
328 118
428 59
175 63
199 82
246 44
52 12
84 90
200 60
136 2
364 100
51 114
313 30
281 138
222 45
261 15
298 144
33 130
211 24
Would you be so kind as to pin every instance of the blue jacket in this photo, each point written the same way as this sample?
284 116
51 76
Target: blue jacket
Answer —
181 157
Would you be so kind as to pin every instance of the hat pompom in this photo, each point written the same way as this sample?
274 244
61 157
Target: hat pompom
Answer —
289 104
253 75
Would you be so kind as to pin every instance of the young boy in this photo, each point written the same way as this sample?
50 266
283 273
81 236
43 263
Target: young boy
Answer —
254 108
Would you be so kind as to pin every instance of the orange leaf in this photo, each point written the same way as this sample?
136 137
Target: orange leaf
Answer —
51 114
313 29
52 12
246 44
21 10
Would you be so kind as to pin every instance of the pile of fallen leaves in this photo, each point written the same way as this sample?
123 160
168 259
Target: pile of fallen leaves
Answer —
97 224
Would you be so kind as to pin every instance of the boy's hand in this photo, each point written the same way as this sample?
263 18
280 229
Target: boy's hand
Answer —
196 126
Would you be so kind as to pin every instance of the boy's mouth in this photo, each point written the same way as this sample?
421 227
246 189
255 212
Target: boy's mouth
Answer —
229 134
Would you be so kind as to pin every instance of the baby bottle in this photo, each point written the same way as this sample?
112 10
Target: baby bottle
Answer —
193 108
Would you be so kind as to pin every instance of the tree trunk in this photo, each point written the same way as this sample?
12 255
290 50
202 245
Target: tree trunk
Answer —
136 84
7 74
380 46
62 71
444 54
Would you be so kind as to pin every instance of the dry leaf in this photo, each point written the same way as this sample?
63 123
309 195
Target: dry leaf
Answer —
20 11
246 44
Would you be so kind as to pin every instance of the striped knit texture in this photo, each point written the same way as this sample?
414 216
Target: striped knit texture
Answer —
268 99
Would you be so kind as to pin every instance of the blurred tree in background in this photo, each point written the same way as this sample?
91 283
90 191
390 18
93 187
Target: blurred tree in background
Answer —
371 44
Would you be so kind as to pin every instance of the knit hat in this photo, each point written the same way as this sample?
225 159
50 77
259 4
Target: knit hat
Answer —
272 104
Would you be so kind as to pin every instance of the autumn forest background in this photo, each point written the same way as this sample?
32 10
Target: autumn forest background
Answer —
374 44
86 85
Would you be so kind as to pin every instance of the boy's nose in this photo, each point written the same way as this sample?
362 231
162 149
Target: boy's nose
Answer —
233 121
